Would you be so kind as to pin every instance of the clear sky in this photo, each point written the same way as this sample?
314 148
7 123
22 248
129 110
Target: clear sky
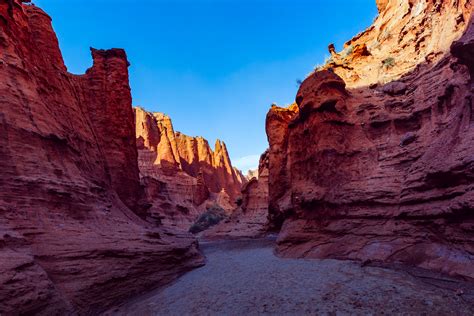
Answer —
214 66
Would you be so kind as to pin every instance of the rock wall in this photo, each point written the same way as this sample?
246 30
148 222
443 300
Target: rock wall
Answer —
252 174
376 161
250 219
182 175
405 34
71 240
197 157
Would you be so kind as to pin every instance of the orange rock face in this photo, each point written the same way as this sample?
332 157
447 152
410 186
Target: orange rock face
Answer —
216 167
376 160
72 239
250 219
182 175
252 174
405 34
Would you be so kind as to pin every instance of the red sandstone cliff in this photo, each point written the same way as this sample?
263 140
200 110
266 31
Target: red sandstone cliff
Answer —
376 159
196 156
70 237
252 174
249 220
182 175
406 33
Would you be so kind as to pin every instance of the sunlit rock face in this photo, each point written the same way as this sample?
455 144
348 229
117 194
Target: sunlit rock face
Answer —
182 176
72 237
405 34
252 174
250 219
375 161
196 156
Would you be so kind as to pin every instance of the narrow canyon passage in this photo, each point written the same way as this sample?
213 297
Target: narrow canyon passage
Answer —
246 278
110 203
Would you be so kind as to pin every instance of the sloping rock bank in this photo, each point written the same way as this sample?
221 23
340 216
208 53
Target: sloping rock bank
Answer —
71 236
376 159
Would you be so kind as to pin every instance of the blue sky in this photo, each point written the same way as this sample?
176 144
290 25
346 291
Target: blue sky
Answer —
214 66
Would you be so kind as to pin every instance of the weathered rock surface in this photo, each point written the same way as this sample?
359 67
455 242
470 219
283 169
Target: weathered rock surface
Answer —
405 34
243 179
385 172
71 236
183 177
249 220
215 166
252 174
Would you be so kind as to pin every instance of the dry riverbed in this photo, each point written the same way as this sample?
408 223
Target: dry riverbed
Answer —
246 278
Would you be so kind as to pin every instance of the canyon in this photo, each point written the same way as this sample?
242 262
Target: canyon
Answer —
249 219
374 162
182 176
72 209
371 167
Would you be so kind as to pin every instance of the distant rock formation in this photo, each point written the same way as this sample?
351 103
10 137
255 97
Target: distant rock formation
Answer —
72 237
376 159
240 176
252 174
250 219
183 177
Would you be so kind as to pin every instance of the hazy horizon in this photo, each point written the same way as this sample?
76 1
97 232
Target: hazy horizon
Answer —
214 67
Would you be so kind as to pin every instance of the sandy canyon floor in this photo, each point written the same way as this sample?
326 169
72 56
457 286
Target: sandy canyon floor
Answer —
246 278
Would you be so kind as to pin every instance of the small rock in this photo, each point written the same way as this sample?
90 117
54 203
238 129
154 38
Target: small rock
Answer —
395 88
407 139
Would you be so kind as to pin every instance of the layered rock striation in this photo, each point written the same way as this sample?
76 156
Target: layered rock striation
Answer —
249 220
405 34
375 161
72 237
183 177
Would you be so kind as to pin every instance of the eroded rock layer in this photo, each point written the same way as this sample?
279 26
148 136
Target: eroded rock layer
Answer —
405 34
183 177
383 172
71 236
249 220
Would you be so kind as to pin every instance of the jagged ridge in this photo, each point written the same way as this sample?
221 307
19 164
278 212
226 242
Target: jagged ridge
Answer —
182 175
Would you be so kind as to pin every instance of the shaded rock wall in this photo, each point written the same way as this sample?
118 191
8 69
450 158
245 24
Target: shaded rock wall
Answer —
383 172
70 237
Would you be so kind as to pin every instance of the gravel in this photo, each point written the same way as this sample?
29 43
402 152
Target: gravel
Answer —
246 278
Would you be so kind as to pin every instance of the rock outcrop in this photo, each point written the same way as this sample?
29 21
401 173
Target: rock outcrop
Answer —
376 159
241 178
252 174
182 176
197 157
406 33
249 220
72 237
